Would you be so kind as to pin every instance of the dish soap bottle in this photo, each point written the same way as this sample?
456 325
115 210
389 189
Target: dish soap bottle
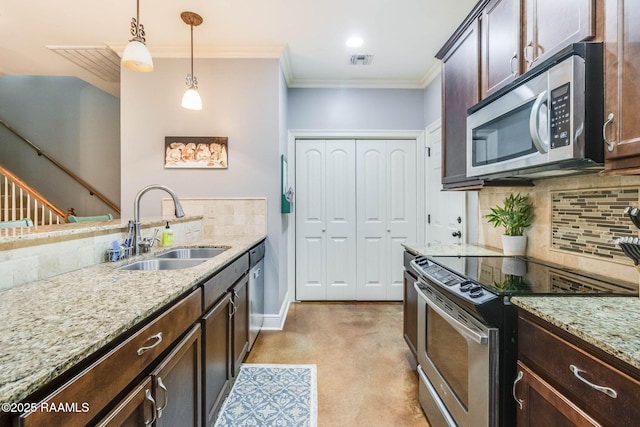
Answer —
167 236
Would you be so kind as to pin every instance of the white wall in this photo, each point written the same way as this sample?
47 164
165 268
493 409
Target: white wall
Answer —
75 123
241 100
355 109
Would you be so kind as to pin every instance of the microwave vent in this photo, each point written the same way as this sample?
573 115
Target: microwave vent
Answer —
361 59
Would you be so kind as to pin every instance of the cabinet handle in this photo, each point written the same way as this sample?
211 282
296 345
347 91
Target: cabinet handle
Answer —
515 383
606 390
233 308
514 72
147 394
157 337
166 397
529 61
610 144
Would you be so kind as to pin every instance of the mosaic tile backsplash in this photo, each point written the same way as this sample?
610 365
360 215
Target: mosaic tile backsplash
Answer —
587 222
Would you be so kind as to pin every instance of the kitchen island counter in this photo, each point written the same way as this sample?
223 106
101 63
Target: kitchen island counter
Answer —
608 323
50 325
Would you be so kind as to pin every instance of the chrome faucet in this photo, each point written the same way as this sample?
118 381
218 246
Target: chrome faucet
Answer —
138 241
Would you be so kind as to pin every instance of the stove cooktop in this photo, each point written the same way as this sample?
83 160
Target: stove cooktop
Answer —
525 276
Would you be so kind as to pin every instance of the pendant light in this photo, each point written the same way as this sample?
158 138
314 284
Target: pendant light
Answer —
136 56
191 98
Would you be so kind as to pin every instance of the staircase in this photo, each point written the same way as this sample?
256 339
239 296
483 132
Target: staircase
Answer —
18 201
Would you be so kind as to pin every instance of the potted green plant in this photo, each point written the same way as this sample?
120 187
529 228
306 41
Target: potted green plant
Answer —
515 215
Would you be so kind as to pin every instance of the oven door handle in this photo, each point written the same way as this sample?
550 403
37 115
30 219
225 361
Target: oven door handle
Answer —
455 324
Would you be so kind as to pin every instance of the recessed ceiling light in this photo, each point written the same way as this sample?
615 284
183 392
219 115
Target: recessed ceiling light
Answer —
354 41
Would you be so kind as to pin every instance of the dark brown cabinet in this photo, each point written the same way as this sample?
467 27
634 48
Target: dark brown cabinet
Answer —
240 320
410 307
460 86
500 51
138 408
551 25
564 381
216 357
622 86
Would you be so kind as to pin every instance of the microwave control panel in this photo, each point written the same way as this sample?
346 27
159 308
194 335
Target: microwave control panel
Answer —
560 116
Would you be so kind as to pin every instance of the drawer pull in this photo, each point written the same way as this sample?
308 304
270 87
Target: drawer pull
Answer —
148 396
515 383
166 397
157 337
610 144
606 390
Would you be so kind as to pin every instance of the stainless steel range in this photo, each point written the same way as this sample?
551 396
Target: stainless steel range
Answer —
467 330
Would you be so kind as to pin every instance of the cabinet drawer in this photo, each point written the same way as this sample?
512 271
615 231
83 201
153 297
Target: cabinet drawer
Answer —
553 358
215 287
102 381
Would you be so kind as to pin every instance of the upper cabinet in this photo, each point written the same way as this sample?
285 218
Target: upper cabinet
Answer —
551 25
622 87
500 50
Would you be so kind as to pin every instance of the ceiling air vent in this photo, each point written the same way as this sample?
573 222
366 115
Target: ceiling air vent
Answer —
99 60
361 59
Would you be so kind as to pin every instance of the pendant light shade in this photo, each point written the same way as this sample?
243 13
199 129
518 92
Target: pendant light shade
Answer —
136 56
191 99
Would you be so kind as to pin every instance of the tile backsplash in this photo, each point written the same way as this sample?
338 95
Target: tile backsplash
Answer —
577 220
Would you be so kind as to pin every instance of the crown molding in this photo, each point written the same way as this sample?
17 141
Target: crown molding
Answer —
357 84
431 74
209 51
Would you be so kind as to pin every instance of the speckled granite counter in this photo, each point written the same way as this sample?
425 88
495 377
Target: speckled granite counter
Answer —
463 249
609 323
50 325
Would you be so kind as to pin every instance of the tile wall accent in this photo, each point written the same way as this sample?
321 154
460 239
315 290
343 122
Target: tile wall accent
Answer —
225 217
559 231
51 258
587 222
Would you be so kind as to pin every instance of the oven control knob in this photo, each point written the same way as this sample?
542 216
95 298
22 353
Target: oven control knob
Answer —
476 292
466 286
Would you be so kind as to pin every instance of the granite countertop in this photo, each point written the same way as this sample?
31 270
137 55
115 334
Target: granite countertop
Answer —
609 323
451 249
50 325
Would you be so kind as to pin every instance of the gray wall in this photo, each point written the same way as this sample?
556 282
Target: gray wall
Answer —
356 109
433 101
242 99
75 123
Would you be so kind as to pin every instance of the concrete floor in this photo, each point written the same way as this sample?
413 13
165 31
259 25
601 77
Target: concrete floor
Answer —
365 375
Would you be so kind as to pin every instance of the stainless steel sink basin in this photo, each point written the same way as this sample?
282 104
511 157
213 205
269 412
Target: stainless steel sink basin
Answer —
190 253
162 264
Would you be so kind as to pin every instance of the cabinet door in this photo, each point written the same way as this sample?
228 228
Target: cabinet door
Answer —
460 89
177 384
410 313
543 406
138 408
216 357
240 321
552 25
622 85
500 27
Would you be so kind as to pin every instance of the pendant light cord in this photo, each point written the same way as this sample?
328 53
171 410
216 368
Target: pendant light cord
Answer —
191 51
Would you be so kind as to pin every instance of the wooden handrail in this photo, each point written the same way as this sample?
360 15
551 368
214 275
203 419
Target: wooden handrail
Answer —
39 152
39 197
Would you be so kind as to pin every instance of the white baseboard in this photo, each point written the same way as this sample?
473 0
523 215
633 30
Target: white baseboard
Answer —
275 322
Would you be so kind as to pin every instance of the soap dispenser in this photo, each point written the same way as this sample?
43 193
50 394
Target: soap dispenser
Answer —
167 236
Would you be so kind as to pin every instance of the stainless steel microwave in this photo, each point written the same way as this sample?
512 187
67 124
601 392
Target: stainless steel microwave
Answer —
546 123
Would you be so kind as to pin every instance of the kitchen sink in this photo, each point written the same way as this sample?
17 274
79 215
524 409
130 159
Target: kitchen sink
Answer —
162 264
191 253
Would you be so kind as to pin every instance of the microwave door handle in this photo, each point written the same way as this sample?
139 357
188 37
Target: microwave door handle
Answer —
542 146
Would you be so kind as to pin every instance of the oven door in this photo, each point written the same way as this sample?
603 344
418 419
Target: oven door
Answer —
458 358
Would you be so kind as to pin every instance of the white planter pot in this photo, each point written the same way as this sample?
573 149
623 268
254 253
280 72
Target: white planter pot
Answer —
514 245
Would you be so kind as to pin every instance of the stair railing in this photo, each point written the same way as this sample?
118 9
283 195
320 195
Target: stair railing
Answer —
40 152
18 200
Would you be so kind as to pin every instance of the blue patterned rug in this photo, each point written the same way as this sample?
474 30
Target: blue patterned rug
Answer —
272 395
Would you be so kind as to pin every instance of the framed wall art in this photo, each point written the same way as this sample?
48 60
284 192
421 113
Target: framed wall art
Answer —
206 152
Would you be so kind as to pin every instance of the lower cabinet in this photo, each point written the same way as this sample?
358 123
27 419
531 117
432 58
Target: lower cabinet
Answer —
564 381
240 299
170 395
410 307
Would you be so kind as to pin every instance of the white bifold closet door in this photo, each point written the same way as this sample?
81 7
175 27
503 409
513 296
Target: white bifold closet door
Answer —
386 215
325 220
355 205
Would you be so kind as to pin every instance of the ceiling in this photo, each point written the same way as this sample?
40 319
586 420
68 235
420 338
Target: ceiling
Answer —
307 35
